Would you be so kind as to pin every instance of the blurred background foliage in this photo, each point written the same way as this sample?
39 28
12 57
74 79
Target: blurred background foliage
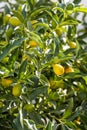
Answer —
42 34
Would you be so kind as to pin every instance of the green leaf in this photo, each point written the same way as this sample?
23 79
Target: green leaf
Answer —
85 78
18 15
22 69
49 126
58 9
41 25
69 22
63 127
13 57
73 75
53 96
30 3
71 125
77 1
68 110
54 126
11 46
17 124
56 46
29 124
36 118
75 114
67 113
84 119
44 81
51 15
80 9
36 11
9 32
35 80
36 92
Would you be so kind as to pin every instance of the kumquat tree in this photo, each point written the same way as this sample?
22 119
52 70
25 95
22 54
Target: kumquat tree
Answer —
43 65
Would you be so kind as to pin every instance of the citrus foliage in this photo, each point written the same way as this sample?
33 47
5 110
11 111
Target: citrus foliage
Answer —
43 66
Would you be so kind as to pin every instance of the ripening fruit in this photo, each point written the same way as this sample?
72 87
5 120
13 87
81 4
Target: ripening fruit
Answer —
69 70
29 107
16 90
58 69
33 43
14 21
6 18
6 82
59 31
72 45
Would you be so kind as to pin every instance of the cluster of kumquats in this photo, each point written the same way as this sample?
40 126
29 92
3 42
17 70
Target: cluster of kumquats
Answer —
60 70
6 82
57 68
41 59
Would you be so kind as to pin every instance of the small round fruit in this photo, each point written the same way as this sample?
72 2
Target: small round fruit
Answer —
29 107
70 6
33 43
69 70
14 21
72 45
6 18
6 82
59 31
16 90
58 69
